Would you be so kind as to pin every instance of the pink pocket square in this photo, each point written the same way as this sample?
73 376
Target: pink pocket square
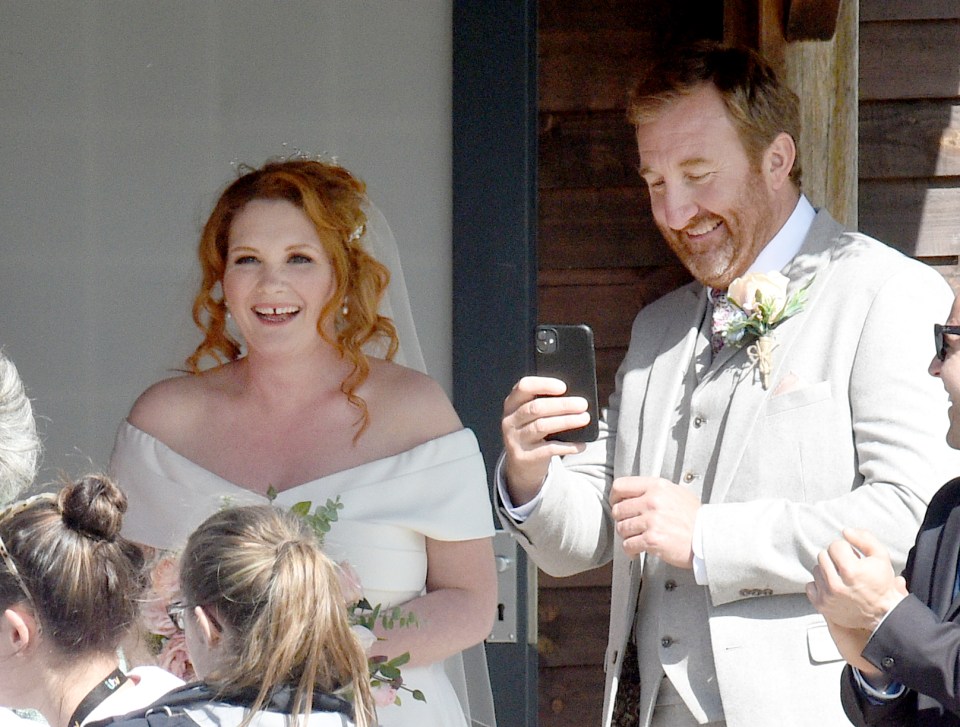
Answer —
788 383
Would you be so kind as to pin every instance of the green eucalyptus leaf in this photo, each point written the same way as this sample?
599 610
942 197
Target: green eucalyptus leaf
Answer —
301 509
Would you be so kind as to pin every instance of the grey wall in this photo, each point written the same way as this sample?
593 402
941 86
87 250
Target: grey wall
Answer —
119 124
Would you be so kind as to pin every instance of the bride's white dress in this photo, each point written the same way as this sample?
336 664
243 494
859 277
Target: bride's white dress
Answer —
390 506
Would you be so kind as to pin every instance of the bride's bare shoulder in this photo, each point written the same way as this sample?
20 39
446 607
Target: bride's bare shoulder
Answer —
409 397
172 404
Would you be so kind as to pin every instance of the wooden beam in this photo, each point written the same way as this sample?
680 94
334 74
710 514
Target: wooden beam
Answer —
811 19
767 25
756 24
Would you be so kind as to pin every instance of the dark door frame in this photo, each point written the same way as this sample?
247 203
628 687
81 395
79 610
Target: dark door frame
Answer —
495 261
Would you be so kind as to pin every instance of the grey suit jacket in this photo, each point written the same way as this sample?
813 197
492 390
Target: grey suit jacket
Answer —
850 433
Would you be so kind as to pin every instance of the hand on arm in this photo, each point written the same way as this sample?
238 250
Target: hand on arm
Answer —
854 585
456 612
655 516
851 643
532 411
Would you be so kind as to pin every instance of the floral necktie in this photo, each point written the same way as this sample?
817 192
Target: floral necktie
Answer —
722 312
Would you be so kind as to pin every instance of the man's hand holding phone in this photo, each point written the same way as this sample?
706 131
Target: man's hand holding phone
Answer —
534 410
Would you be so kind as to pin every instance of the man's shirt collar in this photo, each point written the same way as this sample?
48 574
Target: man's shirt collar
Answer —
787 242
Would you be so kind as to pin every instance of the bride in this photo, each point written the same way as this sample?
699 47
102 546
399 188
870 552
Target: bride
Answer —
296 410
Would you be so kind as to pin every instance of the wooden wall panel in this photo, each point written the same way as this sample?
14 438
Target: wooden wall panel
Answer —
912 10
910 139
912 215
910 127
569 696
587 150
900 60
589 69
573 625
596 577
584 296
598 228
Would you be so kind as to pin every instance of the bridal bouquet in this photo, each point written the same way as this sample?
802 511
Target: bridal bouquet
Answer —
761 304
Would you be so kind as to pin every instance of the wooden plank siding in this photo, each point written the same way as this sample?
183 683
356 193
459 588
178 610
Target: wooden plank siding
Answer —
871 10
909 119
909 59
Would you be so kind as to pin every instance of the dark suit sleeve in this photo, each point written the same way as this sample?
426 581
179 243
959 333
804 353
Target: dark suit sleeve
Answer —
913 646
862 713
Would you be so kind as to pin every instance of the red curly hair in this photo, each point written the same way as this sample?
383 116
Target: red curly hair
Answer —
331 197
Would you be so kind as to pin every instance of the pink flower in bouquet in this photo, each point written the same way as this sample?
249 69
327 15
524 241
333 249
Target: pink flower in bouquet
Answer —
384 695
154 616
165 576
174 657
164 587
350 584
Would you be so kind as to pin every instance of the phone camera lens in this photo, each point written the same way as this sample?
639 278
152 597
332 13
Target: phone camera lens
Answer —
546 340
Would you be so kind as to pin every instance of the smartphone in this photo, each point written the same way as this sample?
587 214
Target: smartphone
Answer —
565 352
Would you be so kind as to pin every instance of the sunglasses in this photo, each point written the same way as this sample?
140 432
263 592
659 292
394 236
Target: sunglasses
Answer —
939 343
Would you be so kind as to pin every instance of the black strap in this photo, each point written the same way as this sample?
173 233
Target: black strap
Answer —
96 696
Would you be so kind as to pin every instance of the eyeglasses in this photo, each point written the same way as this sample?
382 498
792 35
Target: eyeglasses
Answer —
939 343
177 609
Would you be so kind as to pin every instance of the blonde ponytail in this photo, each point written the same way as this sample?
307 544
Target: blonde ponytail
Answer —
263 574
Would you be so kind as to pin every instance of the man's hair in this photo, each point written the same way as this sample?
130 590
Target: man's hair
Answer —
759 104
19 443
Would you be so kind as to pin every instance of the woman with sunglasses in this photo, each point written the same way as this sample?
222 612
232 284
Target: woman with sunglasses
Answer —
267 629
69 592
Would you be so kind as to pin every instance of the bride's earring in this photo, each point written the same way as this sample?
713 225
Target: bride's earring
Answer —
345 308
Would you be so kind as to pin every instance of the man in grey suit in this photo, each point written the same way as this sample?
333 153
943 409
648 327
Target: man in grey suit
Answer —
713 487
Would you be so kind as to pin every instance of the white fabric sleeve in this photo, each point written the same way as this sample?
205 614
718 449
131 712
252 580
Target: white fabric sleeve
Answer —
699 564
517 513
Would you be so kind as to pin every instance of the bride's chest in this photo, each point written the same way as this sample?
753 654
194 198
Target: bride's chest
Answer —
261 455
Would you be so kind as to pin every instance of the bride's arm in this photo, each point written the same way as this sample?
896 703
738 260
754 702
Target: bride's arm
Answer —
458 609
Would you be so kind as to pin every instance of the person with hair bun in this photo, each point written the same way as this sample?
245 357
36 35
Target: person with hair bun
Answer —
69 591
267 629
294 395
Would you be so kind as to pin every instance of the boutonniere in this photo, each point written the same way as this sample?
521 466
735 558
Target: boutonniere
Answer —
760 304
